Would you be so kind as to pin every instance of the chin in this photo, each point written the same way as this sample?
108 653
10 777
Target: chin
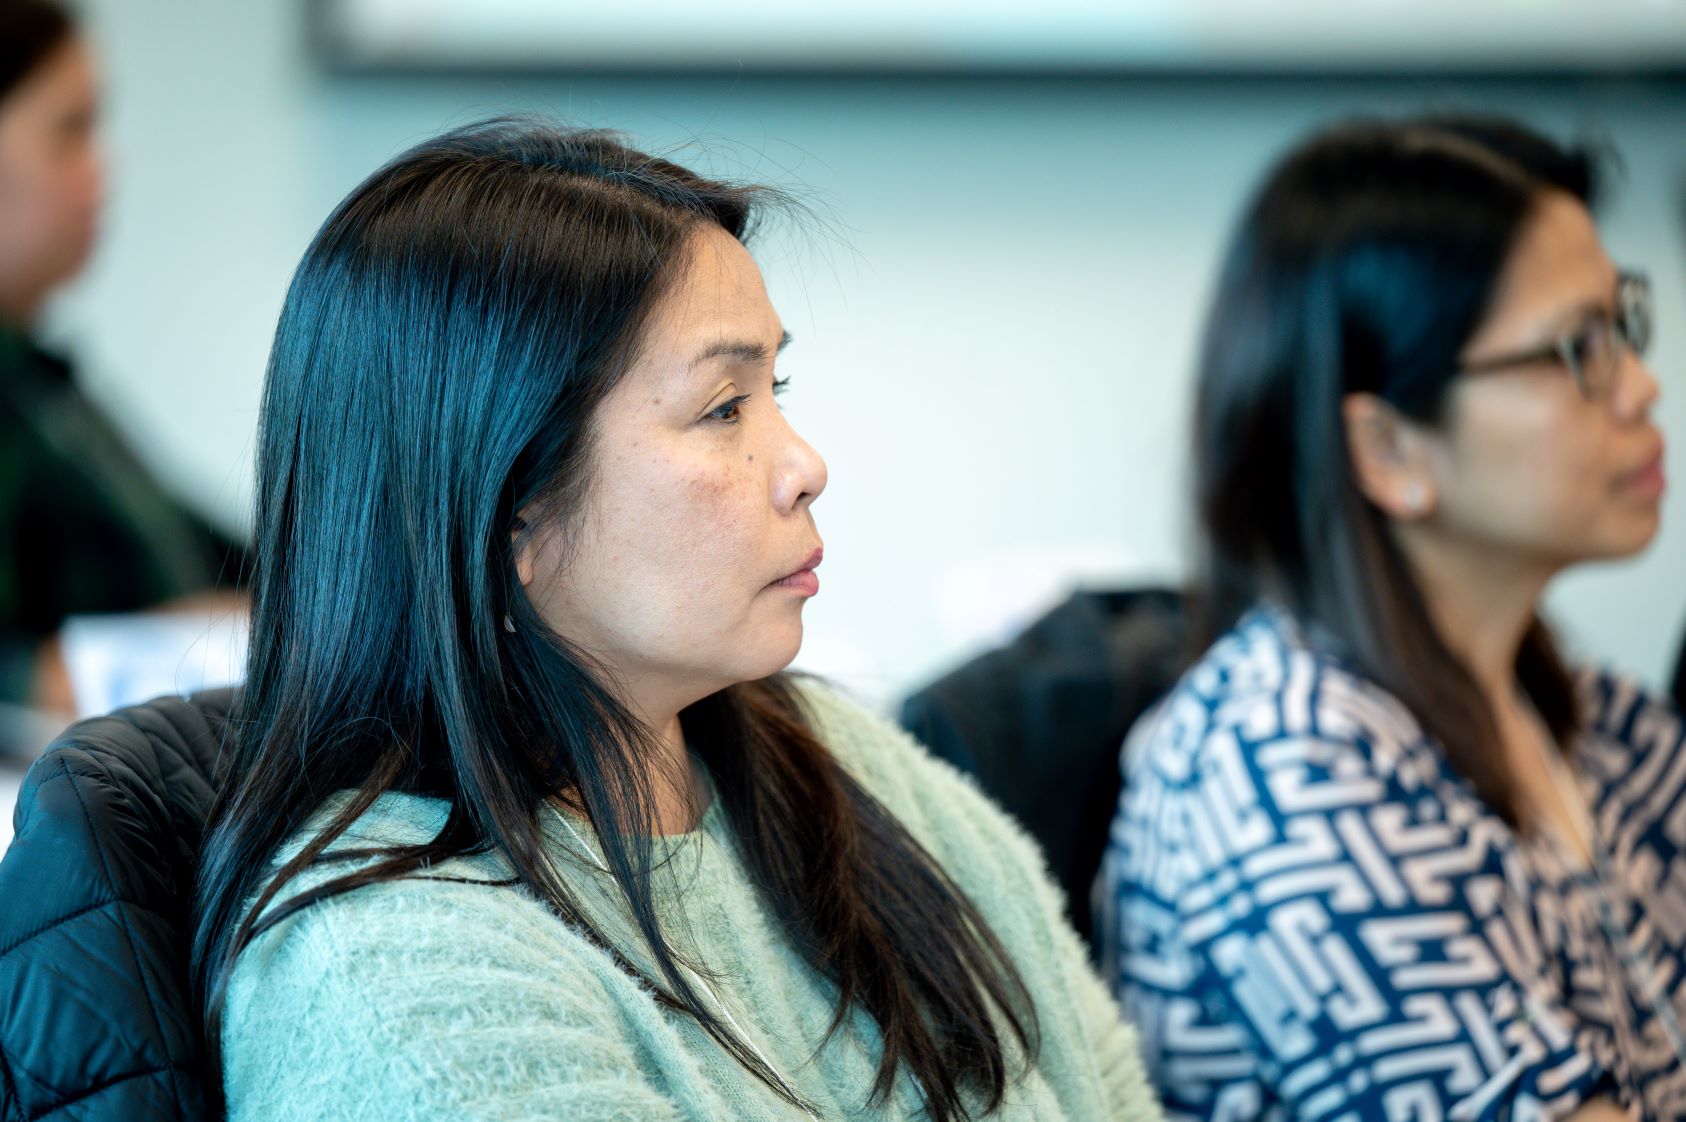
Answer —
1632 535
1644 527
771 654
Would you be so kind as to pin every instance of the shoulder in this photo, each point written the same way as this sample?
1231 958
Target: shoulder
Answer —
1000 869
1618 710
943 808
382 947
1631 747
1262 698
393 820
424 989
465 907
1269 754
921 790
874 751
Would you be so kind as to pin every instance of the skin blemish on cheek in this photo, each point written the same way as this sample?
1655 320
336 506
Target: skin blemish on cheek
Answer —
708 485
752 457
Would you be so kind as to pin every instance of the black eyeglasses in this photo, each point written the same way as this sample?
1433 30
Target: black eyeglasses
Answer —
1593 351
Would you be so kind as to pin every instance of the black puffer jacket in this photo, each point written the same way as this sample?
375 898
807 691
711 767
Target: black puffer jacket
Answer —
1040 721
95 894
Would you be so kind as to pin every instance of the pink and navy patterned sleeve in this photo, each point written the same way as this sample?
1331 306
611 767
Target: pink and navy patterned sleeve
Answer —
1311 917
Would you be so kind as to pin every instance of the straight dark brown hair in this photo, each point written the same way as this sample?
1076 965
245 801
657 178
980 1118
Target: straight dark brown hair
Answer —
440 355
1364 264
30 30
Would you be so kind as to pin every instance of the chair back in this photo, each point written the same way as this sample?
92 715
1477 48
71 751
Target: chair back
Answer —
96 893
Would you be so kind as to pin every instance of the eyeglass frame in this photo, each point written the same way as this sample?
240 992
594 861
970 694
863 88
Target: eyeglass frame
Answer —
1630 325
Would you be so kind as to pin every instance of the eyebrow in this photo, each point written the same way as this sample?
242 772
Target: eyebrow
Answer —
742 350
1573 318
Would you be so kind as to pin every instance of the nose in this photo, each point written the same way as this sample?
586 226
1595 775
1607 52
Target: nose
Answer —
1637 389
801 474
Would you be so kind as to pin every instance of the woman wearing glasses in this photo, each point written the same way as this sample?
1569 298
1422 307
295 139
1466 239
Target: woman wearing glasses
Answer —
1380 854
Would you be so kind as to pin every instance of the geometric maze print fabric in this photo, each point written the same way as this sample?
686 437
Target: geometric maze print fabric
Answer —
1309 915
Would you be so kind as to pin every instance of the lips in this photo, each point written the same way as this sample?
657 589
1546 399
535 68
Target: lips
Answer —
803 579
1648 479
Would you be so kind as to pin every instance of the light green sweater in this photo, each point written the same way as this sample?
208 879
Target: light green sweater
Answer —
428 999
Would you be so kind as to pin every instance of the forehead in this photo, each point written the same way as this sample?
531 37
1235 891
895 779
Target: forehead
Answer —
66 71
1557 263
62 83
716 295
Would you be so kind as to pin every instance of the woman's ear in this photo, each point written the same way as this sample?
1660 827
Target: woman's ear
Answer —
525 547
1390 459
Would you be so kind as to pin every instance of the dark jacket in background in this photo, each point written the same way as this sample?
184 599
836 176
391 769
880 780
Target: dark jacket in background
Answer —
96 895
84 527
1040 721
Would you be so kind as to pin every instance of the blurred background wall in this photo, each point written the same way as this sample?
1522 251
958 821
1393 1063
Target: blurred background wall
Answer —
995 311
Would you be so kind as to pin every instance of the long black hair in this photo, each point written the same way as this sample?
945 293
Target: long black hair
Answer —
30 30
442 349
1364 264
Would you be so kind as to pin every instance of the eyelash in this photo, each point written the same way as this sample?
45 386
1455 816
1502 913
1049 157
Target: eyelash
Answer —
727 411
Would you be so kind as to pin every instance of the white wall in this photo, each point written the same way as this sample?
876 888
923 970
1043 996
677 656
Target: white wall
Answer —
994 340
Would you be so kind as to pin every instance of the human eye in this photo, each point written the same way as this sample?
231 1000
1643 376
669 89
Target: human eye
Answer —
1594 341
728 411
780 385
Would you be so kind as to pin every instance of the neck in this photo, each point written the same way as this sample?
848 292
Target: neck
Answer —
675 783
1481 604
19 310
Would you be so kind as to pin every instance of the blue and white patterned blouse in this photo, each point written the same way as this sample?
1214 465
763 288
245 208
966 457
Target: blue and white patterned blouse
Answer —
1309 915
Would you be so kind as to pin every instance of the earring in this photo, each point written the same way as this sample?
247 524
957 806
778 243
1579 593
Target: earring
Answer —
1414 497
508 624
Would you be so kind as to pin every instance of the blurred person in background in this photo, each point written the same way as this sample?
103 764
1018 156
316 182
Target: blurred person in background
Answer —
522 817
84 527
1380 853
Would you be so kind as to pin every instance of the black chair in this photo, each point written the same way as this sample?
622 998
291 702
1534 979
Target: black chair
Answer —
96 892
1040 721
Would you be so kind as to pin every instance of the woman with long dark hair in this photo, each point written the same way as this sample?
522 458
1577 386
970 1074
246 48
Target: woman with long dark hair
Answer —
521 818
1380 854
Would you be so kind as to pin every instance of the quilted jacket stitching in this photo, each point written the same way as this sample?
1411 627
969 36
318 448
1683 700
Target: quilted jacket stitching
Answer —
128 934
58 922
103 1085
179 754
8 1089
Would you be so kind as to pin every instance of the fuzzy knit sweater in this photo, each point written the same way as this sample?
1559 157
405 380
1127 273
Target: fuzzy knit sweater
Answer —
434 999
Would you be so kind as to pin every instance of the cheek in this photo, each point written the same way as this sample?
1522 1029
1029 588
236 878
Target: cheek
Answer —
1528 474
81 179
677 539
44 219
29 179
669 567
74 197
714 508
709 545
19 207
